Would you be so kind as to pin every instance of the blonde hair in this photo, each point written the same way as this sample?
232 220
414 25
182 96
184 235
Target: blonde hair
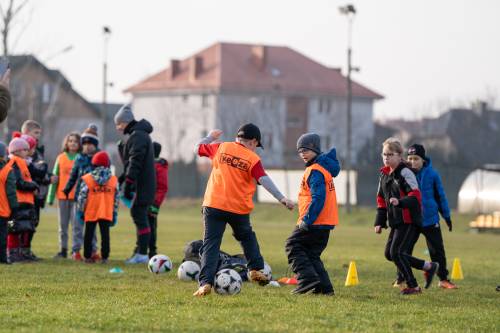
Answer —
394 145
30 125
64 147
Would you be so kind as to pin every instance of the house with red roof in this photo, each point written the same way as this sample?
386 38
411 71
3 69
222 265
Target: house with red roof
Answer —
277 88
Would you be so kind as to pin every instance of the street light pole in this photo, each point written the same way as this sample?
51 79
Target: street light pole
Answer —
349 11
104 107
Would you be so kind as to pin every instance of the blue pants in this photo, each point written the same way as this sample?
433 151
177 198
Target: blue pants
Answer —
215 221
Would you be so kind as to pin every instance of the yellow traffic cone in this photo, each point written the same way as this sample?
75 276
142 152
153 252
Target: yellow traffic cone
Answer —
456 272
352 275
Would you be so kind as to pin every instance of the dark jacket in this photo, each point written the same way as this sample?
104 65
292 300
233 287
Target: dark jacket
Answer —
433 197
316 182
39 170
402 185
138 158
5 101
81 167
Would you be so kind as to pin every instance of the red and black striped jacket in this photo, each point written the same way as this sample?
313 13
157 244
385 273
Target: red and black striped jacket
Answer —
402 185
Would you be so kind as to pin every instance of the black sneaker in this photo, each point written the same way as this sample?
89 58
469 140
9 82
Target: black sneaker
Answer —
498 288
306 288
61 255
411 291
325 292
5 261
429 275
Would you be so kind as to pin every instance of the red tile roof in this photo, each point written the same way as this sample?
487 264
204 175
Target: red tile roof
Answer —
228 66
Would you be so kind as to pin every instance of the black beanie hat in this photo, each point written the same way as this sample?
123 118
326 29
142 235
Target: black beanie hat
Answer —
310 141
416 149
156 149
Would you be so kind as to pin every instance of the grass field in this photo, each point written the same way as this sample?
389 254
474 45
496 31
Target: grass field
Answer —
65 296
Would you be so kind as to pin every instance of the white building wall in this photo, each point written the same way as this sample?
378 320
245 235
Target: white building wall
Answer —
180 120
266 111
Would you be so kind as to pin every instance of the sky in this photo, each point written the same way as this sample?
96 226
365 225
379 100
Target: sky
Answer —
423 56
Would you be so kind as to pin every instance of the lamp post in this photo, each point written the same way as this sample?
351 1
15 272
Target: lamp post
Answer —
106 32
349 11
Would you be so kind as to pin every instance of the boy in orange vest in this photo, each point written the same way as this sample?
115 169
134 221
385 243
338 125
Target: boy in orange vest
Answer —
8 201
98 204
236 170
24 218
317 216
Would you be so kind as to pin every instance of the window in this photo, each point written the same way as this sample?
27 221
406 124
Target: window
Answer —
185 98
204 101
46 92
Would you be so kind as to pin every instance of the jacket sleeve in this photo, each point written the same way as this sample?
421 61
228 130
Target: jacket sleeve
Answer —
138 147
381 217
73 177
10 190
115 206
161 184
316 183
53 187
82 197
440 197
21 184
413 198
5 101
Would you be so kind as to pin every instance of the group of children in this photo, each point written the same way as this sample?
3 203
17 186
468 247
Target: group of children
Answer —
82 182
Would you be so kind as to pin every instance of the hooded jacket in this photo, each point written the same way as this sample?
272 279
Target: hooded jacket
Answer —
101 175
316 182
137 154
433 197
81 167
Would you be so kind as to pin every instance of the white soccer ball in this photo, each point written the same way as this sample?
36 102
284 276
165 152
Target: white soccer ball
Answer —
266 270
188 271
159 264
227 282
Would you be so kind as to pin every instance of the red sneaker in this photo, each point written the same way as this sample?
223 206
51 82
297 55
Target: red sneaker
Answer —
411 291
447 284
95 256
76 256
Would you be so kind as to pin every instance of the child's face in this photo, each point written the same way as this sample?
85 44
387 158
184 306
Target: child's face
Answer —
416 161
23 153
120 127
31 152
35 133
390 158
88 148
306 155
73 144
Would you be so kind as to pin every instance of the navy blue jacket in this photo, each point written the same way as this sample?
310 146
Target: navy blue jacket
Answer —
433 197
316 183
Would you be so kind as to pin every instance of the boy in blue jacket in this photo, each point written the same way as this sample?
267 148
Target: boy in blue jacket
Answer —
434 202
317 216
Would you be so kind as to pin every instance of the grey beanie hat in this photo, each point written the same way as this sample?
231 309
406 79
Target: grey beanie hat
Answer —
309 141
124 115
3 149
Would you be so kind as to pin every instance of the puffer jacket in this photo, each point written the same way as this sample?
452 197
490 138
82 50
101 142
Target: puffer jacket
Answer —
433 197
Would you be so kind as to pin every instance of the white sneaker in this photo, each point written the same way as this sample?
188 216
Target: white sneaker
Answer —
137 259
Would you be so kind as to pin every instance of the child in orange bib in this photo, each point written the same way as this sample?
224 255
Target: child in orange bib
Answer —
317 216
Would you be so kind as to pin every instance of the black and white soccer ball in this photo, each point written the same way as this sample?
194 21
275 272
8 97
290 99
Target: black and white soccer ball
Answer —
188 271
159 264
227 282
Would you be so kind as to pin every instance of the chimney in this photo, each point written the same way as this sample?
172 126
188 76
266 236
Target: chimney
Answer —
175 68
195 67
259 57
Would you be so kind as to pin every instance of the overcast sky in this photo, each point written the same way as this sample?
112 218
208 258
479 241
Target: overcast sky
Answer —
423 55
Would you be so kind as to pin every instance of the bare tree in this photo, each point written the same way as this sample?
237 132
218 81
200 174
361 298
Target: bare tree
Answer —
8 13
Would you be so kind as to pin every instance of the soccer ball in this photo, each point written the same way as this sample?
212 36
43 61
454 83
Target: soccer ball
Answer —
188 271
266 270
159 264
227 282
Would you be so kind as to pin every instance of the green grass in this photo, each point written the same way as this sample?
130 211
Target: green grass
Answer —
65 296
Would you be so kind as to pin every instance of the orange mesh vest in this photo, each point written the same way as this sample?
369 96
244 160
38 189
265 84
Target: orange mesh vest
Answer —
100 199
23 196
231 185
329 213
65 166
4 201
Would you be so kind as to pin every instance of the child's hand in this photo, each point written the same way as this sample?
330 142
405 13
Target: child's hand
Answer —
378 229
215 134
394 201
288 203
54 179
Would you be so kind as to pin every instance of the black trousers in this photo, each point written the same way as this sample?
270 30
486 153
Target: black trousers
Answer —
89 235
435 244
153 224
215 221
304 249
3 240
140 216
398 249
